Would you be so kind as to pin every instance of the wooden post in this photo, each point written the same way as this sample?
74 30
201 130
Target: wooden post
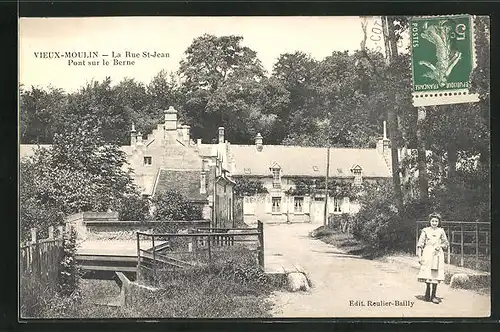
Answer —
33 235
461 245
60 230
154 257
416 240
487 242
35 253
449 246
260 228
477 245
51 232
209 250
325 221
138 256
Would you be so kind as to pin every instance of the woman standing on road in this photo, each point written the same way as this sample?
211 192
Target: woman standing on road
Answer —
430 253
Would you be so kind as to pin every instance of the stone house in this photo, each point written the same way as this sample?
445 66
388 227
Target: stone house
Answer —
281 168
167 159
206 173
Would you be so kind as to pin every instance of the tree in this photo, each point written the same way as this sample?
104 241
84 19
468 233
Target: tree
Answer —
295 72
337 109
171 205
39 114
224 85
78 173
211 60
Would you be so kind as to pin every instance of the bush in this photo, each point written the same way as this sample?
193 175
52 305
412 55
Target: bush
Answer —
171 205
134 208
342 222
69 276
378 223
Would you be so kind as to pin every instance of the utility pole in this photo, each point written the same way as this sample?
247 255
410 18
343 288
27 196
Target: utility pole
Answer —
214 207
325 222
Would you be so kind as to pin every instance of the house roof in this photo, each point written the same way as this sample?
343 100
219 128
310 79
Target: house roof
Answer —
206 150
306 161
186 182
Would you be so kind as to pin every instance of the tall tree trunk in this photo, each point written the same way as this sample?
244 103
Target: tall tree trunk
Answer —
423 180
452 165
388 27
396 179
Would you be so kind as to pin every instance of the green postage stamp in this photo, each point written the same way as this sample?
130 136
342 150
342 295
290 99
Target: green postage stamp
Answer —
443 57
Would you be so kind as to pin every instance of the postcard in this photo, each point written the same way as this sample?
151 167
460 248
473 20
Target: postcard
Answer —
254 167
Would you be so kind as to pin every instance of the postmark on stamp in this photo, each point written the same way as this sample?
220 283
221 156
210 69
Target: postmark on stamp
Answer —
443 57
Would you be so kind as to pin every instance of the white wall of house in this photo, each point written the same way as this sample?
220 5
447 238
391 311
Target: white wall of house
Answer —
276 206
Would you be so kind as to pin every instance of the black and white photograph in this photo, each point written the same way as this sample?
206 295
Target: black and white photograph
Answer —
254 167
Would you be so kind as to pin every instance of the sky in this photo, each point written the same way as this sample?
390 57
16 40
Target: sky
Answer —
268 36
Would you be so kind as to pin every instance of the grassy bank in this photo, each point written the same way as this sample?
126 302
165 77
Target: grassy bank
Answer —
345 242
232 287
351 245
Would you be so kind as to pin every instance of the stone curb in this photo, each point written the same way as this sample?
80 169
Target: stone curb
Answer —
294 277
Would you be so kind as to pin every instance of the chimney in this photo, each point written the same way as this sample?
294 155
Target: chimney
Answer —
139 138
170 118
221 135
133 135
258 142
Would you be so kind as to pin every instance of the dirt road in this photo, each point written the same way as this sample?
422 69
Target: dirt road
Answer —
349 286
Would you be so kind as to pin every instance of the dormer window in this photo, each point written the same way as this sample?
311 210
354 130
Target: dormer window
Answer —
357 172
148 161
276 178
276 172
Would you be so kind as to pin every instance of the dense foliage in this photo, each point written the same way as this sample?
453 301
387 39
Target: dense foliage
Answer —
69 276
80 172
171 205
247 187
336 188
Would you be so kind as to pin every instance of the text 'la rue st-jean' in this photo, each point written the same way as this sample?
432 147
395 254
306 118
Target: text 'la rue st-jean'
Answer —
84 58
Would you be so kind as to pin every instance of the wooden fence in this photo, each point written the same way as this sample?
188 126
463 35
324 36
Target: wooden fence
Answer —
39 268
468 241
181 250
40 259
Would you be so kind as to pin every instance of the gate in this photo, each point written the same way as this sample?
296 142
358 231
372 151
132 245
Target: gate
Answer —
176 252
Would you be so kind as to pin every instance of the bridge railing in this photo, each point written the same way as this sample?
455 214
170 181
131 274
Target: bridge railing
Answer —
199 247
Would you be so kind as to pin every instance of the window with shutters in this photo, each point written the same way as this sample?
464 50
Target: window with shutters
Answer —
298 203
148 161
276 205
